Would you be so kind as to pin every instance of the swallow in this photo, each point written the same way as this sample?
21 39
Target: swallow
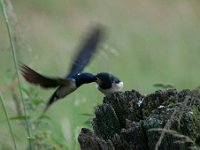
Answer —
107 83
76 77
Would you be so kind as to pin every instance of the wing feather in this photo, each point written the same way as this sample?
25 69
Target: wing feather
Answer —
86 51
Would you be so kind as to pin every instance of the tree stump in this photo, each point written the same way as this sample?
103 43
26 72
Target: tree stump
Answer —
164 120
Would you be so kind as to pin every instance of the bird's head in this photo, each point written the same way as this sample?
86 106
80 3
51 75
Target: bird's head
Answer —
107 83
104 80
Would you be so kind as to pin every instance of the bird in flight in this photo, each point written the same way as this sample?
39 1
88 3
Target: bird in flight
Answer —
106 82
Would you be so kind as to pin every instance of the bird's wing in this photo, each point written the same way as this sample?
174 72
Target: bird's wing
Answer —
35 78
86 51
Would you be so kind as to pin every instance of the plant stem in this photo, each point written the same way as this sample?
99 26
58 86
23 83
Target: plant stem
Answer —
17 72
8 121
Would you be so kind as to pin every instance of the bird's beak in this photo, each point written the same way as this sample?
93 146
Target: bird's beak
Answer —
98 81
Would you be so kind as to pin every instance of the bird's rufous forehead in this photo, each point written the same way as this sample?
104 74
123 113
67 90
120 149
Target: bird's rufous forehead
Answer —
98 81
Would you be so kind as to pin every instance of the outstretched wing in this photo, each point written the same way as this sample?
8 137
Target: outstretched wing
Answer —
35 78
86 51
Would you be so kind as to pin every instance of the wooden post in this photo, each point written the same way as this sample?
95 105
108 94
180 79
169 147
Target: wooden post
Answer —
164 120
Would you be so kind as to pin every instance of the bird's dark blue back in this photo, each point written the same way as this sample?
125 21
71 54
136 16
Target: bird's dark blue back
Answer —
84 78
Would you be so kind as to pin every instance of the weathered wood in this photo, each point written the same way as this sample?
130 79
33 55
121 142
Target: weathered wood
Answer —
89 141
164 120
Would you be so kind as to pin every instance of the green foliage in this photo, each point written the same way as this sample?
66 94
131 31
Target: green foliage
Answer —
43 137
15 61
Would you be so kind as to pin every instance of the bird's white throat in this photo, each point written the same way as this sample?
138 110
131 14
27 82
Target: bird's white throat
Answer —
116 87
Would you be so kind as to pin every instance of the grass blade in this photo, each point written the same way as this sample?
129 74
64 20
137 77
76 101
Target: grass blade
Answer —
8 121
17 71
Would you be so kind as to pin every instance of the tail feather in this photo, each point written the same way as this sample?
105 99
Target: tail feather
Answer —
36 78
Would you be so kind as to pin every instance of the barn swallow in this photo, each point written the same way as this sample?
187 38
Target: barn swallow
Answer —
107 83
75 78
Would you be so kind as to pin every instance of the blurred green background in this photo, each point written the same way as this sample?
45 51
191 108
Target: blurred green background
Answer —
147 42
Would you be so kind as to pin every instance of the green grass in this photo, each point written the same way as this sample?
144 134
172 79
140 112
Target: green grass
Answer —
8 121
153 42
6 11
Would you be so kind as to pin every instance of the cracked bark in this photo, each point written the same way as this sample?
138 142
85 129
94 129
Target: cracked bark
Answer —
162 120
